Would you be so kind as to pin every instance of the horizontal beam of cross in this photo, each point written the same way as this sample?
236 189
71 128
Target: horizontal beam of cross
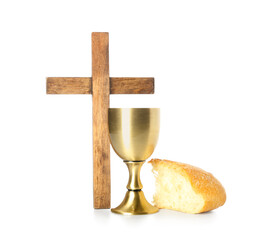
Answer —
83 85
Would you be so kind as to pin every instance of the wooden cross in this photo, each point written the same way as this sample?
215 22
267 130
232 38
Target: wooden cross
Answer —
100 85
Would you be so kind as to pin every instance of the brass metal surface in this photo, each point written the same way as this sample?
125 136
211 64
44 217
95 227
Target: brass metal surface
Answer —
135 203
133 135
134 182
134 132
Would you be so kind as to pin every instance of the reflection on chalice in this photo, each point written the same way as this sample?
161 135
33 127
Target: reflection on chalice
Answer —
133 135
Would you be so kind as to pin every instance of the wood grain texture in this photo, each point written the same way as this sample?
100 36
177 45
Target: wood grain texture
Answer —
69 85
100 99
131 85
83 85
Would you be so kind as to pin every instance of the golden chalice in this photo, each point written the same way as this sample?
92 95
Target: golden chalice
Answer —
133 135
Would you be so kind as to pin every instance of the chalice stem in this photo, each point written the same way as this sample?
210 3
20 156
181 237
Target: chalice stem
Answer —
134 201
134 168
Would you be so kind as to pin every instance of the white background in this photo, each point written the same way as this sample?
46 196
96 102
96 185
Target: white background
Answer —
210 63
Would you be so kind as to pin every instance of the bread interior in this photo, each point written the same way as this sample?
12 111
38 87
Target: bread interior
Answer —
174 191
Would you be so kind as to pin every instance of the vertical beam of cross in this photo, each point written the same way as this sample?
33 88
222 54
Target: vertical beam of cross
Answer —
100 100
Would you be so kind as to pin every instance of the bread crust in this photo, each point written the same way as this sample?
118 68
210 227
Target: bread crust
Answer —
202 182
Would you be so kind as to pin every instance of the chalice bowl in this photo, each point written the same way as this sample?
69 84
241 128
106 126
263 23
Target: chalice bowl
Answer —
133 135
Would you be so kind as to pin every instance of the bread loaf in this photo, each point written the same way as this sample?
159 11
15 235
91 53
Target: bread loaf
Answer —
185 188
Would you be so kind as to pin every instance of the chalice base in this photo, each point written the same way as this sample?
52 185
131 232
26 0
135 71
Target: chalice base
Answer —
135 203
